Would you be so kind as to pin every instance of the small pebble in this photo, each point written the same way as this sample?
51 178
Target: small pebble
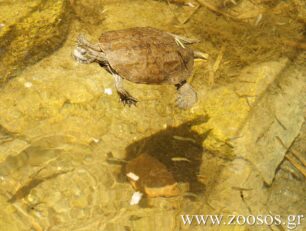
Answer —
28 84
108 91
133 176
81 170
136 198
180 159
184 139
190 4
2 25
95 140
32 199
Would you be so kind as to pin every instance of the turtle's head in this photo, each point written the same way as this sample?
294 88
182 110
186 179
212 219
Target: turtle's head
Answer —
82 55
85 52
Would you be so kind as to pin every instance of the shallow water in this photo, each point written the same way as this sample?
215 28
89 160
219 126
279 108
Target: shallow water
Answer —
65 138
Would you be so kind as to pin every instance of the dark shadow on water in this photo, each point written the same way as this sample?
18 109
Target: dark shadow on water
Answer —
178 148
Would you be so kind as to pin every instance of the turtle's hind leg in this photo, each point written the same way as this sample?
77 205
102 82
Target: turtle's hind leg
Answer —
125 97
187 97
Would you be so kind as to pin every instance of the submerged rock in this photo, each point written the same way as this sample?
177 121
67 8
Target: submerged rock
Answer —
39 30
150 176
229 107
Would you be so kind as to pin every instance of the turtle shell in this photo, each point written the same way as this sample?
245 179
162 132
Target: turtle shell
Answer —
147 55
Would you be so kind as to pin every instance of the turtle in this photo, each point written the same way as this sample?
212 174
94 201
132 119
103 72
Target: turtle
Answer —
143 55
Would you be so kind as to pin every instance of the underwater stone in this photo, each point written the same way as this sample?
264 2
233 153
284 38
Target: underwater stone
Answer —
153 177
274 122
228 107
7 217
12 148
31 37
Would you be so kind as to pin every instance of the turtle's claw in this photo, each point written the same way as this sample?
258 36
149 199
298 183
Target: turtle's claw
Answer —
129 102
127 99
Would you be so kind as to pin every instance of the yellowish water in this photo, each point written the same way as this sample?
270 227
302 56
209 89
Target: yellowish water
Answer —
65 137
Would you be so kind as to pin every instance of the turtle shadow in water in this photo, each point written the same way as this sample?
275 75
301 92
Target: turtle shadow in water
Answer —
178 148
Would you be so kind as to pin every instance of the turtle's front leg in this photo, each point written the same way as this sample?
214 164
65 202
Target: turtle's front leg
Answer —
125 97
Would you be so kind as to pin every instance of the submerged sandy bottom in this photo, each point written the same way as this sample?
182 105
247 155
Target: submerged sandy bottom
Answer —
64 133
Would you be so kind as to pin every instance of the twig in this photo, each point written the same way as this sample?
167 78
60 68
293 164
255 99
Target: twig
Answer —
35 225
213 8
289 149
292 160
193 12
298 156
219 59
186 19
213 68
295 44
211 75
296 165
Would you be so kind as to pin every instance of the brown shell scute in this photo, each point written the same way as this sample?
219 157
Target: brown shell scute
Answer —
147 55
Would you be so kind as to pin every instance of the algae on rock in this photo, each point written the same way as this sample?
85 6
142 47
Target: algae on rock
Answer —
274 122
36 34
227 107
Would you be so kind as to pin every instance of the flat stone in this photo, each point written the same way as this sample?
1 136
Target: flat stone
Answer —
12 148
149 175
273 123
228 107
